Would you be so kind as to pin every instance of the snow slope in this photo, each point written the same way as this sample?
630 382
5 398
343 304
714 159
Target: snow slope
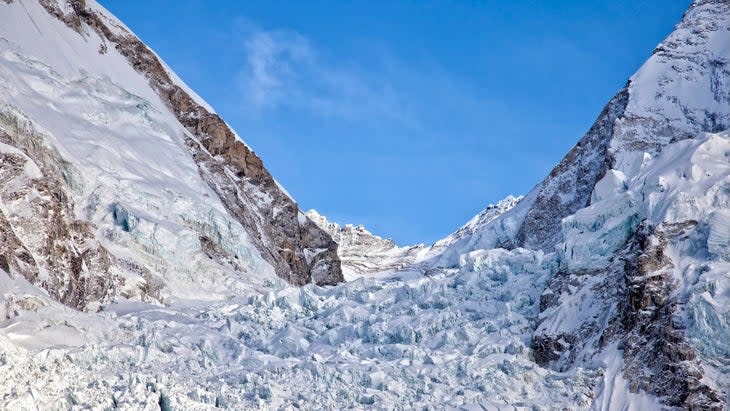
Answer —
126 167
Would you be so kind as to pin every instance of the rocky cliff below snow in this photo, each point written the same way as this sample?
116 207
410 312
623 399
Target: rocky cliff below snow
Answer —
139 185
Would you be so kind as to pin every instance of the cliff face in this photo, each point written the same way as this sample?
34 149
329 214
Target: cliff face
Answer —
629 212
679 93
299 251
98 55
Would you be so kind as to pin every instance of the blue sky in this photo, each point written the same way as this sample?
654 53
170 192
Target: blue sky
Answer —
406 116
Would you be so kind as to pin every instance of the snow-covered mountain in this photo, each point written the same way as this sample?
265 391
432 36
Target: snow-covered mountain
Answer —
363 253
118 180
143 247
476 224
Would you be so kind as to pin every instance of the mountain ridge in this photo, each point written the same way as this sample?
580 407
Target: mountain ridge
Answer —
285 239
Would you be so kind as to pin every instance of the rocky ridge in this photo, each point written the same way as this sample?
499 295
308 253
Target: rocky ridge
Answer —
299 251
72 259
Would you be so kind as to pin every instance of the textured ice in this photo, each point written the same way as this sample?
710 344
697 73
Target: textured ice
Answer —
458 338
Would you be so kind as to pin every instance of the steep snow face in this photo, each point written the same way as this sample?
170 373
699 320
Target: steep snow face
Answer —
132 176
479 221
166 198
486 230
363 253
641 267
682 91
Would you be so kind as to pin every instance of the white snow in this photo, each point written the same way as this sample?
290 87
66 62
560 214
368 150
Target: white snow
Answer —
613 393
127 152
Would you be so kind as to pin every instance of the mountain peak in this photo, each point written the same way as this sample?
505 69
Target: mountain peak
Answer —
143 143
681 91
362 252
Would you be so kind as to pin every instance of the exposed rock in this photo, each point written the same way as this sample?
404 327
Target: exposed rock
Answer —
298 250
66 259
657 357
632 304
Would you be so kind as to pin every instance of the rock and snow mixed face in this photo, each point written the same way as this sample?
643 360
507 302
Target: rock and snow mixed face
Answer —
172 201
606 287
363 253
681 92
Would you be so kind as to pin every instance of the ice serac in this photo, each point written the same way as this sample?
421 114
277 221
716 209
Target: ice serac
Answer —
680 92
292 244
641 233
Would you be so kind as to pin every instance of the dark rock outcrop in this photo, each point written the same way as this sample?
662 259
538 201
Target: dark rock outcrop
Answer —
67 260
298 250
635 309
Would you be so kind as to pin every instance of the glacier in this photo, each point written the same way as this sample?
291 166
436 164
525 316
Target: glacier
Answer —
148 263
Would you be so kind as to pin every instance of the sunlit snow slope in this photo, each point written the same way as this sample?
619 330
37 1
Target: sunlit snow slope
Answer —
142 252
173 208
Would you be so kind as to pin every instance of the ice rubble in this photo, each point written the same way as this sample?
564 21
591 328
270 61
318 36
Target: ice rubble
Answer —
458 338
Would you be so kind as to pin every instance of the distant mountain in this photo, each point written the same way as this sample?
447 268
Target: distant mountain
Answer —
363 253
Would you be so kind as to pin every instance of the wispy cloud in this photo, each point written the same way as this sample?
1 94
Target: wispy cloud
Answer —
276 61
285 70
